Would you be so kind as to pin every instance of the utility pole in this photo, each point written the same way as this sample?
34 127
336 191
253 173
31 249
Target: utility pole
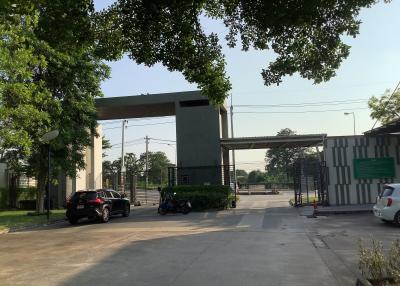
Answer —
147 166
124 122
233 152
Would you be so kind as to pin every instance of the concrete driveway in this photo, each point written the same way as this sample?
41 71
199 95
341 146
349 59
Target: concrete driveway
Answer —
262 242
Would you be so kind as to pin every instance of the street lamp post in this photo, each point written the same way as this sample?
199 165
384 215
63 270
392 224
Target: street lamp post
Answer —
47 138
354 121
173 147
123 169
233 157
176 162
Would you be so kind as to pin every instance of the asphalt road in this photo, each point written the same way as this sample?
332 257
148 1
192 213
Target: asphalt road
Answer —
262 242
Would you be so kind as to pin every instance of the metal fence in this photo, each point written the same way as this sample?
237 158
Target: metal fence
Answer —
310 182
264 188
141 188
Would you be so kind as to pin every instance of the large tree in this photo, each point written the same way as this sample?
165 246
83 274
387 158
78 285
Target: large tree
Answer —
105 145
306 36
241 176
60 71
385 108
132 164
280 160
158 164
256 176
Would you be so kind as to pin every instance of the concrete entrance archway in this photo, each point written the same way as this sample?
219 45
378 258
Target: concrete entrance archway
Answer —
199 126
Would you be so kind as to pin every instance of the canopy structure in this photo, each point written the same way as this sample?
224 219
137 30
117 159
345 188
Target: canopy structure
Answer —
267 142
388 128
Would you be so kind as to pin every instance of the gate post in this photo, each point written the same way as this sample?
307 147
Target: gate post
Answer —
133 189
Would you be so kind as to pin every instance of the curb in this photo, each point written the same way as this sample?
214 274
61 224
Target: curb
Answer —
31 226
334 212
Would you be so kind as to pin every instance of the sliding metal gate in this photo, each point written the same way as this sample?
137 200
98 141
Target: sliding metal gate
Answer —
310 182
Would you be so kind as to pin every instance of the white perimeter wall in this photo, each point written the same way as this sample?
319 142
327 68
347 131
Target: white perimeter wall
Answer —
343 188
91 176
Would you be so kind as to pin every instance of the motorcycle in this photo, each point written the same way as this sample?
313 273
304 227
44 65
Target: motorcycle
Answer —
171 204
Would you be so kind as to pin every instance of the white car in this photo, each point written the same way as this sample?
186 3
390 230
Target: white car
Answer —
387 206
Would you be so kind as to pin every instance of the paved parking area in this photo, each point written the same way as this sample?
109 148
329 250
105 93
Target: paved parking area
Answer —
340 235
262 242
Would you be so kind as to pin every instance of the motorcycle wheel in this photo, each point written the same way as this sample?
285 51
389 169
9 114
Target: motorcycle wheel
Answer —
162 211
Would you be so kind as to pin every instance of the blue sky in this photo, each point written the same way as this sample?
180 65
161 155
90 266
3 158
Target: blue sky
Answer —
371 68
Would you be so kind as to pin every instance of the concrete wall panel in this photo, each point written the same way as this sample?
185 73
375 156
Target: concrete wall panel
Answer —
343 188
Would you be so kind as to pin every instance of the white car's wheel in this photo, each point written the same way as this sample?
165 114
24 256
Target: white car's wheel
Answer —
397 218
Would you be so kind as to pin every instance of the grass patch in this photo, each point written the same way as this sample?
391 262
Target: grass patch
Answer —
16 219
311 200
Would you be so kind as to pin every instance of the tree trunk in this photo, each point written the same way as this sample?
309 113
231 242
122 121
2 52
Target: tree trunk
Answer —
12 198
41 190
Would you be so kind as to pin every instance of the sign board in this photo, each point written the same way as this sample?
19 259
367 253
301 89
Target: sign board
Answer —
374 168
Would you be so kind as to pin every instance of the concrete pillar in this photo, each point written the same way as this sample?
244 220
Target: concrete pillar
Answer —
198 142
91 177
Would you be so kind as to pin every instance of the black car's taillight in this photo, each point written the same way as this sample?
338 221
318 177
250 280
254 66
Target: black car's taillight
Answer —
97 201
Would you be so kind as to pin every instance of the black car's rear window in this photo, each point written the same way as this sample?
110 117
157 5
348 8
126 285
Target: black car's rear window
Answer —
85 196
387 192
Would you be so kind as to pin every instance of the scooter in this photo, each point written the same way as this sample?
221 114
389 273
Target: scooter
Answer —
172 205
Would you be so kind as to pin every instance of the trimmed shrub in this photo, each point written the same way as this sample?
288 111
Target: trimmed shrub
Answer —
23 194
203 197
3 198
27 193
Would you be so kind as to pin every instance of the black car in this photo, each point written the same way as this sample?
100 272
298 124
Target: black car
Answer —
100 204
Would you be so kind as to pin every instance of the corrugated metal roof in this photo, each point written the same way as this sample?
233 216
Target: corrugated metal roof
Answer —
388 128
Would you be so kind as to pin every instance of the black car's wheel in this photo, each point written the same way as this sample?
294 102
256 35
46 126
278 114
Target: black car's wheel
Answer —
105 215
397 218
127 210
162 211
73 220
186 210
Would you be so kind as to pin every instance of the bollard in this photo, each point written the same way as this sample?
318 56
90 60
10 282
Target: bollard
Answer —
315 208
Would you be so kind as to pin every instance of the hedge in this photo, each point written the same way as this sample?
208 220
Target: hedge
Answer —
3 198
22 194
203 197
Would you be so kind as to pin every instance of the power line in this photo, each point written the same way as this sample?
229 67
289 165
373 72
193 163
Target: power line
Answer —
136 125
130 141
300 104
307 89
110 122
163 143
113 121
304 111
157 139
